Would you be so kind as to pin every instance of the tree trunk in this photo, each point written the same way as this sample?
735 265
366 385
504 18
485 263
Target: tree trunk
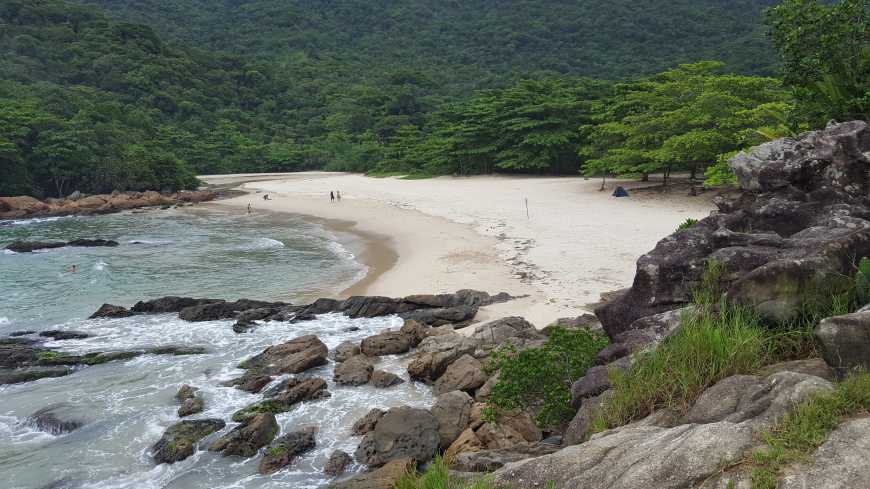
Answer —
644 177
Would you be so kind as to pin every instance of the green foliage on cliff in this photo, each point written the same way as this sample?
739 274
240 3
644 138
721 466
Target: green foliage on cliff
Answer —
539 380
825 49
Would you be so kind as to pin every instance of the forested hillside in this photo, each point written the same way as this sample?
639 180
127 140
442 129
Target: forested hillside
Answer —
94 102
474 42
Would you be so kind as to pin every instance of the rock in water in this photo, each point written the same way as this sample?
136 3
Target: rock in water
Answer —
382 379
356 370
190 406
179 440
345 350
286 448
292 357
389 343
246 439
31 246
337 463
284 396
401 432
111 311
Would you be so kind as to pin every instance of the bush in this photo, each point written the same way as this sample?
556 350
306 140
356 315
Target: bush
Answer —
437 476
807 426
686 224
862 282
539 379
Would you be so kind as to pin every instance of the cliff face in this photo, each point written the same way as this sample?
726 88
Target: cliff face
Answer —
800 222
796 229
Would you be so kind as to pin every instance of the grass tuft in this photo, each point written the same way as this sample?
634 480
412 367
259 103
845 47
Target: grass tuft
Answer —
806 427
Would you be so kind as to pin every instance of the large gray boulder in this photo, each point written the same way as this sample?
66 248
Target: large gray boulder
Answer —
401 432
796 228
845 341
452 410
436 353
762 400
637 456
498 331
840 462
286 448
465 374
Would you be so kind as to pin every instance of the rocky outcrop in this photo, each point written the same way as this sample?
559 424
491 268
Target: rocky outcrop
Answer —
78 204
286 448
798 226
845 341
401 432
179 440
501 330
246 439
337 463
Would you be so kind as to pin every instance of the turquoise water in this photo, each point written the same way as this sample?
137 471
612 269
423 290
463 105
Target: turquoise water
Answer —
126 406
178 252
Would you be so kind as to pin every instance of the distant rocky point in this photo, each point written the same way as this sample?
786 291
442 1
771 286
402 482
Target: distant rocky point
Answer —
24 207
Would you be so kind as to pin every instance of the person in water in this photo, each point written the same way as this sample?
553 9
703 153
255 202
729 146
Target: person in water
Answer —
71 268
331 196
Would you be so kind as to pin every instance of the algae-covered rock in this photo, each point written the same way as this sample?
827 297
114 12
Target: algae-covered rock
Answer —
179 440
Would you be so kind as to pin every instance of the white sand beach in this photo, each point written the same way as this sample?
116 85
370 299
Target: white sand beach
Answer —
444 234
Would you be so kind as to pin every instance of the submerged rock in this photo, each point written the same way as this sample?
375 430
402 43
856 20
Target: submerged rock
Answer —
401 432
29 374
47 420
179 440
111 311
30 246
64 335
382 379
286 448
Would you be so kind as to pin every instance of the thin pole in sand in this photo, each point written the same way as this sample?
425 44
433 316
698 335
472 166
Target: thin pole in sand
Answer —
527 208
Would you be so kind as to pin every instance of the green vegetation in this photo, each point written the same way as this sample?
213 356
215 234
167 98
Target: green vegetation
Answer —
825 48
717 340
686 224
539 380
806 427
437 476
265 406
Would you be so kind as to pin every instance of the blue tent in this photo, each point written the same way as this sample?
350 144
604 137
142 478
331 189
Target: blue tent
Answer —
620 192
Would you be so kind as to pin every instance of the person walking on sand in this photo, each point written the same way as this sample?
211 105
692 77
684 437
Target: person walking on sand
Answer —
331 196
338 195
249 207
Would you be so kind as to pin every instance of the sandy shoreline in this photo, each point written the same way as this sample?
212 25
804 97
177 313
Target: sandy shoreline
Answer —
445 234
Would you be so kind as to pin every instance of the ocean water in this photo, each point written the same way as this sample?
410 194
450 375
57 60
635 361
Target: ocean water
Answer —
126 406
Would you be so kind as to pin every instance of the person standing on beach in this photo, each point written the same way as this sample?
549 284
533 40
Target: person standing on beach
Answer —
249 207
338 195
331 196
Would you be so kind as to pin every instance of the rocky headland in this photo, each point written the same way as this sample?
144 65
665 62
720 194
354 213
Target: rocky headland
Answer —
26 207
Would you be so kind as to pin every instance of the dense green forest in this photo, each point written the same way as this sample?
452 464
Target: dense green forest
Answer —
97 100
